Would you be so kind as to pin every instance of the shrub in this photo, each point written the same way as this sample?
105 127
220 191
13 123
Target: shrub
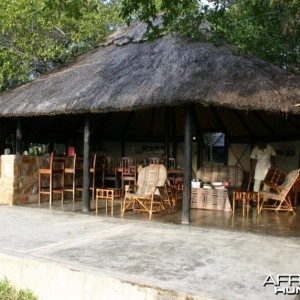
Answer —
9 292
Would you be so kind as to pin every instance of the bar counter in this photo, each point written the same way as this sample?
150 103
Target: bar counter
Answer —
19 178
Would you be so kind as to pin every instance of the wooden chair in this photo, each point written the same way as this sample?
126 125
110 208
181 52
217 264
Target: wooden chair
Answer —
73 175
274 177
54 176
129 171
96 171
277 198
244 195
70 173
176 177
171 196
153 160
110 172
145 196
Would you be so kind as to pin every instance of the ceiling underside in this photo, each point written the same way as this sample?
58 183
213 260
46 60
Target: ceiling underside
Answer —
149 125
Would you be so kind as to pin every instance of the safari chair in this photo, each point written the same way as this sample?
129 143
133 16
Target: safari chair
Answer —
146 195
277 197
274 177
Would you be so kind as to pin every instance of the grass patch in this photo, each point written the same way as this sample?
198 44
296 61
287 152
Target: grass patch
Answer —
9 292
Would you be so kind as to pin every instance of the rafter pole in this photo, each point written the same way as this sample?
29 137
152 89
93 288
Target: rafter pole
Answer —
264 123
167 136
238 115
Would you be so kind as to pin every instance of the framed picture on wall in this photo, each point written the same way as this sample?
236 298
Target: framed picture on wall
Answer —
290 152
136 149
147 149
159 149
280 151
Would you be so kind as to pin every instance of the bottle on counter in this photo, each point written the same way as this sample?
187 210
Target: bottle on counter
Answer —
30 149
12 144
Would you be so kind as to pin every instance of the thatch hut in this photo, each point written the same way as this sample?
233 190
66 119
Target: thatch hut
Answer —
132 89
127 73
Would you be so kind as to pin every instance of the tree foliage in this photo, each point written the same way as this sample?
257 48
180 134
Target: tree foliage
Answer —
38 35
269 29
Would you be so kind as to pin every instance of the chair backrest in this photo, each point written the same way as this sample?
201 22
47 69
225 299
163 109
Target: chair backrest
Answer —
57 161
97 163
79 162
110 166
290 179
274 176
150 177
128 165
70 162
153 160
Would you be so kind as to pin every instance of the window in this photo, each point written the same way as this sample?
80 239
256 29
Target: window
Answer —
213 148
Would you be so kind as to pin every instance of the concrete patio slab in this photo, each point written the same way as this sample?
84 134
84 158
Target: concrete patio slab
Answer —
66 255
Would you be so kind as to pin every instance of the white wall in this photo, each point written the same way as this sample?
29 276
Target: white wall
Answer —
238 154
287 159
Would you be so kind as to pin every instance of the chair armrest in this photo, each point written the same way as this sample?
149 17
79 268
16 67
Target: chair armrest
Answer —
273 186
130 188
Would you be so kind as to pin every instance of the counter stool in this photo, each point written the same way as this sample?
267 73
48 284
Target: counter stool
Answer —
70 175
54 176
96 172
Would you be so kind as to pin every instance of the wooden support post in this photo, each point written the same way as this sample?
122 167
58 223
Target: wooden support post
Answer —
187 166
86 166
167 136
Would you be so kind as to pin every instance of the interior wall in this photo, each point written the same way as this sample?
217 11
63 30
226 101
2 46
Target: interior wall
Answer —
287 157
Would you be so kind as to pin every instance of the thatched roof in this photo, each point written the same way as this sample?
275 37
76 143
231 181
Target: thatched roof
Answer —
128 73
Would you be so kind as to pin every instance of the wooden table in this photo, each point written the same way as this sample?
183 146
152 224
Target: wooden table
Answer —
108 194
214 199
175 176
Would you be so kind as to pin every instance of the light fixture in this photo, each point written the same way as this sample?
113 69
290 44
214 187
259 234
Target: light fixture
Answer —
297 104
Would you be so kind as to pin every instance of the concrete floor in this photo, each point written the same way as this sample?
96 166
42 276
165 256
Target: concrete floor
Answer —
269 223
62 253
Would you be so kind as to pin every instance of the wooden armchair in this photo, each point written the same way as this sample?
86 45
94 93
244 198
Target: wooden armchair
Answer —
277 198
145 196
273 178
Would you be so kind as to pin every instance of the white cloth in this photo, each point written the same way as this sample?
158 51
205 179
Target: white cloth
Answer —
263 161
257 184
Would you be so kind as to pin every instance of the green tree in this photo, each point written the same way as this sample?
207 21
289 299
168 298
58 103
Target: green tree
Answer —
38 35
269 29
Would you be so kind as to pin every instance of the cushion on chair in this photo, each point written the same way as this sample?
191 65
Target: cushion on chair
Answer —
289 179
150 177
232 174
